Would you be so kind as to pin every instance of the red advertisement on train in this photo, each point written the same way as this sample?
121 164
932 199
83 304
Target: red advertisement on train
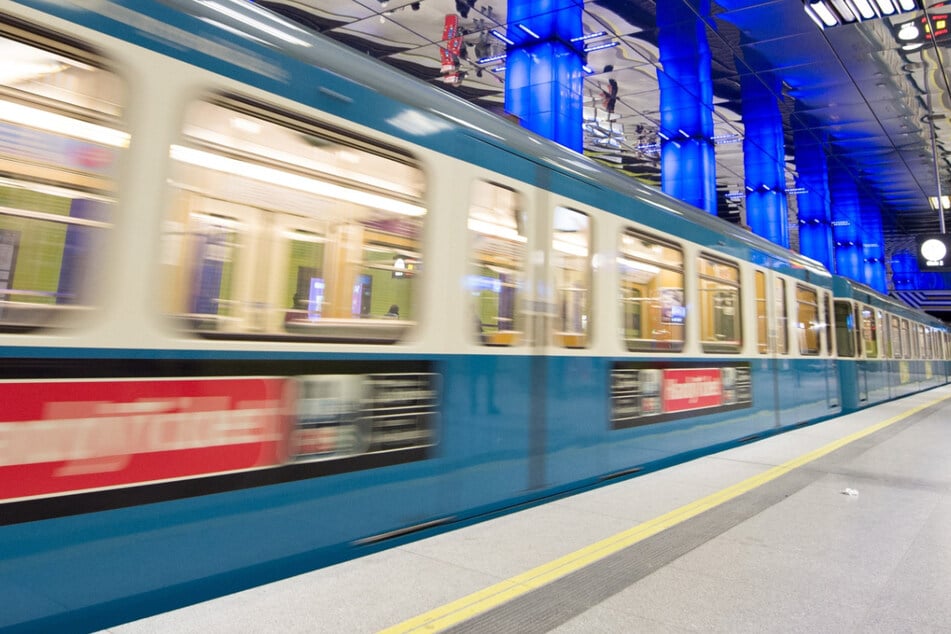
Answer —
65 436
688 389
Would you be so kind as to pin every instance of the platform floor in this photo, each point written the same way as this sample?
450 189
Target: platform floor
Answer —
839 527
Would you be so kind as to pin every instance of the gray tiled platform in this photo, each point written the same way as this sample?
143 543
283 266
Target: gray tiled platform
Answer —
815 561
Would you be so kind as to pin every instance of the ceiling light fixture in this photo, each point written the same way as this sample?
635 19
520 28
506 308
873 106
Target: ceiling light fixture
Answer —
599 47
830 13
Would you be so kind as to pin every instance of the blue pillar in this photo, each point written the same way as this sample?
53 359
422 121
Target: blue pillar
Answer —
904 267
873 249
544 81
846 219
815 224
764 159
688 167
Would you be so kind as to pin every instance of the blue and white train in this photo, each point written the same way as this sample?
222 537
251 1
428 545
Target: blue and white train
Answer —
266 305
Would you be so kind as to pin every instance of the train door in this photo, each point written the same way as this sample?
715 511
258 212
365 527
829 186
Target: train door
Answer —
575 389
773 294
833 388
862 318
540 310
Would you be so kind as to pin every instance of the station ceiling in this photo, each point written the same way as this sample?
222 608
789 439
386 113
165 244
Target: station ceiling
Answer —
877 96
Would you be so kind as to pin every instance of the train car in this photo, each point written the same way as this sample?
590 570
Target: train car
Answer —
885 349
267 304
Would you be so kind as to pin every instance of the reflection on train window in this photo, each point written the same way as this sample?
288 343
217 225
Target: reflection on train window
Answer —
497 246
280 229
762 326
652 293
844 329
807 320
60 146
571 248
782 327
719 292
869 333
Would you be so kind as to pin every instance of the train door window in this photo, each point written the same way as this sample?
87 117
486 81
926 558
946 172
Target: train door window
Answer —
883 333
652 292
895 338
869 332
829 325
719 294
905 339
844 327
62 142
807 320
571 249
782 321
922 348
762 325
318 240
498 239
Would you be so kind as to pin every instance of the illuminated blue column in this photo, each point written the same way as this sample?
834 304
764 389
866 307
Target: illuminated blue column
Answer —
688 168
906 276
764 160
905 272
543 76
873 250
812 201
846 215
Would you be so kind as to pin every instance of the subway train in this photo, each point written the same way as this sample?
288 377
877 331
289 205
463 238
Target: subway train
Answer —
267 304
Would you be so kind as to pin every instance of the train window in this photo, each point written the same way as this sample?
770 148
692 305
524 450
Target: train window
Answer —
782 328
922 347
807 320
62 140
652 293
869 333
498 245
762 325
279 228
571 248
844 327
905 340
719 294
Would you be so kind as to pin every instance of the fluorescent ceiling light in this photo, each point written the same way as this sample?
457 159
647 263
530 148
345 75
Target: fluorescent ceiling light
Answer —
885 7
821 14
499 36
293 181
570 248
61 124
843 10
529 31
598 47
864 9
638 266
945 202
496 230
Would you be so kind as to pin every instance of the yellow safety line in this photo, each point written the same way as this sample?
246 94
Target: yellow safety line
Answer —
484 600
